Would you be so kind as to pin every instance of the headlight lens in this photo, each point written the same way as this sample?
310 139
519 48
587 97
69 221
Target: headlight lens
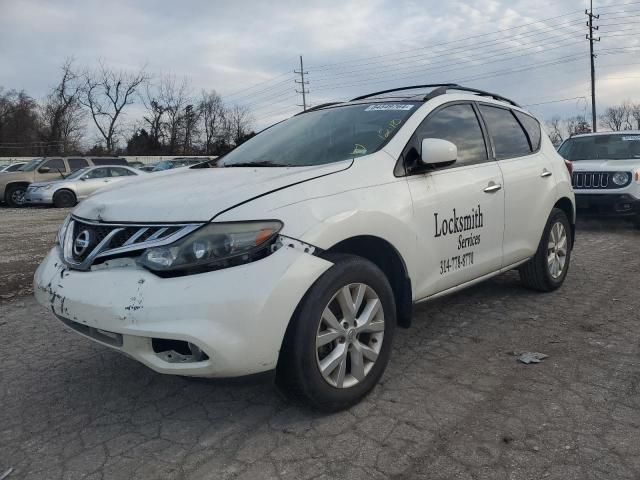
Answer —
63 230
620 178
215 245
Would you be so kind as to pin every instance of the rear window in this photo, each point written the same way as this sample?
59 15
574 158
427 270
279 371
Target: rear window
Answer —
596 147
77 163
108 161
508 137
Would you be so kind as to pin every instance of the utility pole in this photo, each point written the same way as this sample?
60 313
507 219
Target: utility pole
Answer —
302 83
590 37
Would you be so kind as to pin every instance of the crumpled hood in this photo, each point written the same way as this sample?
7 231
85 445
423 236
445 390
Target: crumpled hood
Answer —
193 195
610 165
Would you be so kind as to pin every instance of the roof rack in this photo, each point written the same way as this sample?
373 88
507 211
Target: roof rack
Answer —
414 87
439 89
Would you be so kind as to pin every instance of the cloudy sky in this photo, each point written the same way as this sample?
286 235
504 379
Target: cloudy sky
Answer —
534 52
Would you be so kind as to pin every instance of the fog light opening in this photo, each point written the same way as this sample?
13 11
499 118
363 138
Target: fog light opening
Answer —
177 351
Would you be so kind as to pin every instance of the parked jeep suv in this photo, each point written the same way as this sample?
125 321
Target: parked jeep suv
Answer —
606 173
14 185
311 241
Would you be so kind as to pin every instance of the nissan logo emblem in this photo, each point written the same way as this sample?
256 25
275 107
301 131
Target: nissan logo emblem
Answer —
81 243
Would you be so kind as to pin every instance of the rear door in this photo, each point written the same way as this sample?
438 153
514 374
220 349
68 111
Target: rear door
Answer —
92 181
459 210
529 186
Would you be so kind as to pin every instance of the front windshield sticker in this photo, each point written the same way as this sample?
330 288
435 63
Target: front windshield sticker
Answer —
631 139
385 132
388 106
359 149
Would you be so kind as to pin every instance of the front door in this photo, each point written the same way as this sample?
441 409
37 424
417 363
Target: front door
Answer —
92 181
459 210
51 169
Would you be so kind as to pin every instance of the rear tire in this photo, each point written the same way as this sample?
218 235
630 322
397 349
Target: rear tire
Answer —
64 199
548 268
333 356
14 195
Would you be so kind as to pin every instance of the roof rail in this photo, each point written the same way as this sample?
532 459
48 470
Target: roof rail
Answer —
317 107
414 87
442 90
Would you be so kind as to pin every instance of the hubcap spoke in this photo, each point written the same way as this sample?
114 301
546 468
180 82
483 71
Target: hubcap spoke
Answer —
350 335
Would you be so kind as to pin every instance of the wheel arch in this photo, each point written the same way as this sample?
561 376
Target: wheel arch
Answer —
19 183
566 205
388 259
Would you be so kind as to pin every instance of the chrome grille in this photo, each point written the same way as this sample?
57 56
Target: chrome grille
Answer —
591 180
84 242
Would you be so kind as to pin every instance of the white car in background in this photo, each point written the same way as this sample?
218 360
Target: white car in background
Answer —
312 240
78 185
12 167
606 173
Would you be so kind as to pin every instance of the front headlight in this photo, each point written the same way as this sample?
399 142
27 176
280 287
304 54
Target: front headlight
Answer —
620 178
213 246
63 230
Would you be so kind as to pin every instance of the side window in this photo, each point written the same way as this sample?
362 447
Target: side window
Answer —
108 161
77 163
508 137
120 172
55 164
532 128
98 173
459 125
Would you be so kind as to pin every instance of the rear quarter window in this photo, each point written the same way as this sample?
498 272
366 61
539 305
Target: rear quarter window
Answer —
532 128
509 139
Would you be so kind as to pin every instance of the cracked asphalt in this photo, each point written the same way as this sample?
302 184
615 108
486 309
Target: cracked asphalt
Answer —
453 404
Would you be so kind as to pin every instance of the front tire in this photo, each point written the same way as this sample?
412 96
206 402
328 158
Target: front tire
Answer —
339 341
548 268
64 199
14 196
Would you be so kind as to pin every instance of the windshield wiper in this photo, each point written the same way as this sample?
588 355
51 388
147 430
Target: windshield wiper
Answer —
264 163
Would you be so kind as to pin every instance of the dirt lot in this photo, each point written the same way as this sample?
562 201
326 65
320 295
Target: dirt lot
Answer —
454 402
26 235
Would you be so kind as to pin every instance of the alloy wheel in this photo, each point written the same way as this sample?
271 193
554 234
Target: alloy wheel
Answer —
557 250
350 335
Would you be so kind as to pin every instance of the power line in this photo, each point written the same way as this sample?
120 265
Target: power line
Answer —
320 67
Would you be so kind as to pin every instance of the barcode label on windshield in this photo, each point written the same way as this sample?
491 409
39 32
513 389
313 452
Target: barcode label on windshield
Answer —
631 139
388 107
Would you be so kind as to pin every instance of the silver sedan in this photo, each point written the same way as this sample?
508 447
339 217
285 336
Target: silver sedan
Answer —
77 186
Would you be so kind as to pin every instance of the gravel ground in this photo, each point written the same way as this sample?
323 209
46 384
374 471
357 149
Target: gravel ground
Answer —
454 402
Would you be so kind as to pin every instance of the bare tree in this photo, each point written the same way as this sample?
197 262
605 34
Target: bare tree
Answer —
554 126
635 113
213 115
155 116
190 121
239 123
62 114
617 117
174 98
576 125
106 93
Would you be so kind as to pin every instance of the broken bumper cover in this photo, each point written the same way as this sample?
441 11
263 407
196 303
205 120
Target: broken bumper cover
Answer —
236 316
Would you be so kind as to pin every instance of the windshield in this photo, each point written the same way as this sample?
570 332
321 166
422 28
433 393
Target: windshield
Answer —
323 136
164 165
32 165
596 147
78 173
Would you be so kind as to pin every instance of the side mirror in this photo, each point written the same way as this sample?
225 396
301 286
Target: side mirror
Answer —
438 153
44 170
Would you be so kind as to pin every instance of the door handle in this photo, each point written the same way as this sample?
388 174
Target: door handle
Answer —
545 173
492 188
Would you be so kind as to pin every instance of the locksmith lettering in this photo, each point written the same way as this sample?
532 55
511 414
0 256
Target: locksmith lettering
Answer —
459 224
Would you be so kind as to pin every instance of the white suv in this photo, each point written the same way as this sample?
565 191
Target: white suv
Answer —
310 242
606 173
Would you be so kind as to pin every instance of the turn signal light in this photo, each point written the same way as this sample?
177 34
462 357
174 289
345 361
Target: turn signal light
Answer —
637 176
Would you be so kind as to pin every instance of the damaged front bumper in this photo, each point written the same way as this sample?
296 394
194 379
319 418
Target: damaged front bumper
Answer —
223 323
